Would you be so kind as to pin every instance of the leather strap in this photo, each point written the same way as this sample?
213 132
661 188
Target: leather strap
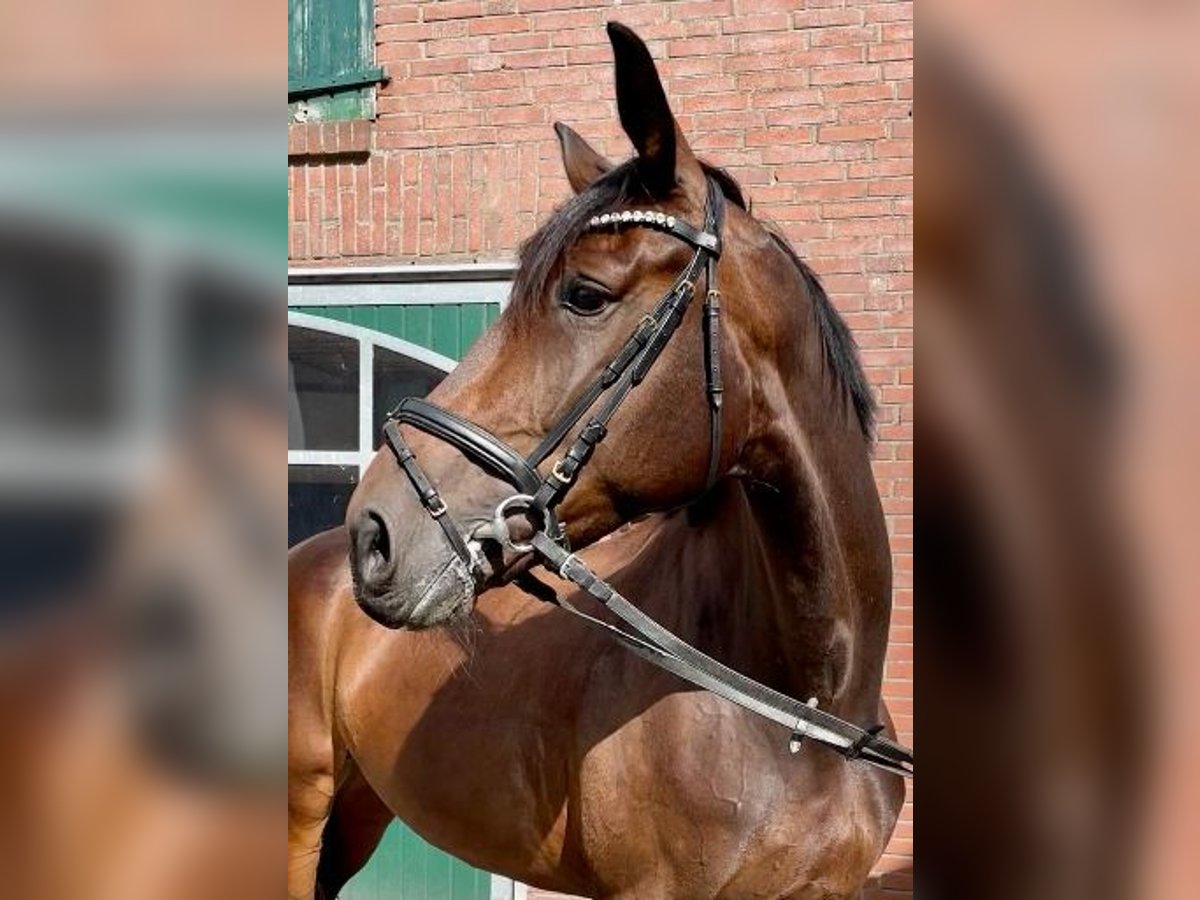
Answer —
713 384
484 449
429 496
662 648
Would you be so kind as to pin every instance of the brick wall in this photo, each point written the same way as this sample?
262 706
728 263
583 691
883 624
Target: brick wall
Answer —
807 102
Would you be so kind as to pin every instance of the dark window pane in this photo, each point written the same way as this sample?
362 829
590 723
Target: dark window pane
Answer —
317 498
323 391
63 303
396 377
51 555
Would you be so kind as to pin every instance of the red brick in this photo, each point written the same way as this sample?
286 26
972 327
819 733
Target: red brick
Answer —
451 9
498 24
503 43
843 36
799 115
844 74
829 56
512 115
776 21
713 46
574 18
390 13
864 132
892 51
888 12
702 9
821 18
421 67
456 46
534 59
768 42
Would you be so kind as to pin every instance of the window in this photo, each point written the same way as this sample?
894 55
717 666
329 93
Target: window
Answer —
342 381
331 50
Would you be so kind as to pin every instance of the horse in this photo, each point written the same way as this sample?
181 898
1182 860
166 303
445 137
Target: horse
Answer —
528 743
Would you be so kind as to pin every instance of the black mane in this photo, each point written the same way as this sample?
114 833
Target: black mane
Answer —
541 254
840 349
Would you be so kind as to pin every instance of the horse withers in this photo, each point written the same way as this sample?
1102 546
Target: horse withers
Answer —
513 736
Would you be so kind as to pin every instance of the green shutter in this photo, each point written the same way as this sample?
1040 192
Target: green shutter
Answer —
331 48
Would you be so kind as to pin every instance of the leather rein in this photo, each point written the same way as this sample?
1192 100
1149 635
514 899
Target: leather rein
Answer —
538 496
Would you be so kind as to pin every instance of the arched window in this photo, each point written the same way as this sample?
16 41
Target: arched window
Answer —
342 381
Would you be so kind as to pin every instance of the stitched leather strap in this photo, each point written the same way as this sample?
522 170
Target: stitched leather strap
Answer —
713 384
486 450
664 649
429 496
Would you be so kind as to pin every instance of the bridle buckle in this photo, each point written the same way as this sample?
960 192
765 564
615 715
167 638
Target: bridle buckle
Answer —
437 507
558 473
801 730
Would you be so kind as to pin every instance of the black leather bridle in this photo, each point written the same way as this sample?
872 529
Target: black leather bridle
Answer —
538 496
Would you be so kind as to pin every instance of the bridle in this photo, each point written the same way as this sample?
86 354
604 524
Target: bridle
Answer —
538 496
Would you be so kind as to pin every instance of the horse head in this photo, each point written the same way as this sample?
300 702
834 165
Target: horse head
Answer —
594 289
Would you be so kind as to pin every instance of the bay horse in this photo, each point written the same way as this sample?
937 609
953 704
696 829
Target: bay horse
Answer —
520 740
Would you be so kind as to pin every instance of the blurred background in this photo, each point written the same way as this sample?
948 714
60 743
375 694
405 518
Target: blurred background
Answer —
142 437
1055 214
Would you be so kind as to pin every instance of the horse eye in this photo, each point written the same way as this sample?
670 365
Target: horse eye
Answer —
584 298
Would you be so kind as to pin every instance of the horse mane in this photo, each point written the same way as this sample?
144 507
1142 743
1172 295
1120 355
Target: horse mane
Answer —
541 254
840 351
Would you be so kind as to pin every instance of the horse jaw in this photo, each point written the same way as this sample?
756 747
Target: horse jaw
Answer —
446 595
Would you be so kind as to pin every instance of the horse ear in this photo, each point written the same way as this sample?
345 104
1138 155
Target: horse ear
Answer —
581 161
645 113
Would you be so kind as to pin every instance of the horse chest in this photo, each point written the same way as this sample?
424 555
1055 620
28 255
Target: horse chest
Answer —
693 787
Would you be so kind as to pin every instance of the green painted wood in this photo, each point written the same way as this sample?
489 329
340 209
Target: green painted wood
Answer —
406 868
325 84
330 43
446 328
445 331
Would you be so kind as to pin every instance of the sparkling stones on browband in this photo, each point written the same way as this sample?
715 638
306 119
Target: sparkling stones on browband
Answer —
633 217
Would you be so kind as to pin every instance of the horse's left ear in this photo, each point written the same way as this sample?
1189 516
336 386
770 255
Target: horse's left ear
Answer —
581 161
664 157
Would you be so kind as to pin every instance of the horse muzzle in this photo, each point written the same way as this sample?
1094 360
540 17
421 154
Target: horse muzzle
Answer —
410 580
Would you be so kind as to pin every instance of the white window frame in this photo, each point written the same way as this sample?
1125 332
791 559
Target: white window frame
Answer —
401 285
368 339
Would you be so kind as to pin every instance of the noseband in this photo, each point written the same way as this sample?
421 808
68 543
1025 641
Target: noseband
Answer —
537 496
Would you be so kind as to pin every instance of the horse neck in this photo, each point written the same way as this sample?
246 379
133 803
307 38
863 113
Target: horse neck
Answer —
813 570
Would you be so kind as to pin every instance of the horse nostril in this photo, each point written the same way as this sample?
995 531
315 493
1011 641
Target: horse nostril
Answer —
380 543
373 543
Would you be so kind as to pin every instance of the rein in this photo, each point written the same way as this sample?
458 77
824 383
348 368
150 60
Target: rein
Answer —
538 496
